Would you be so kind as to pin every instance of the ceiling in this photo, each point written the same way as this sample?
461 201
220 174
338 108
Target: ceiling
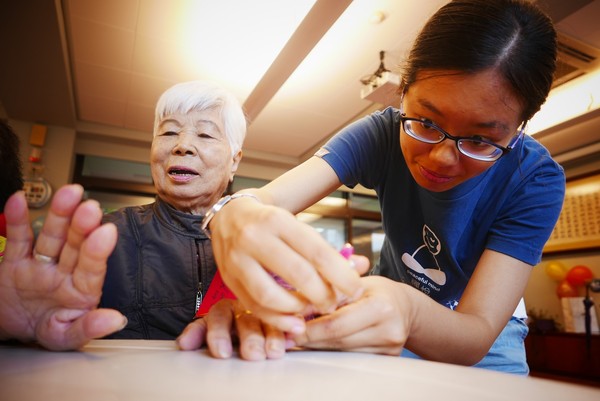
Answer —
97 65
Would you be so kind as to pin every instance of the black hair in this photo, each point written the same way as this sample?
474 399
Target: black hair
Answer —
10 163
512 36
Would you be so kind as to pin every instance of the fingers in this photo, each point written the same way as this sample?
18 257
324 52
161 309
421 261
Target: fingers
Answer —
300 265
193 336
219 322
335 327
275 343
71 329
56 225
270 241
257 340
293 323
88 277
18 230
86 217
320 263
257 289
370 339
99 323
252 340
374 323
361 264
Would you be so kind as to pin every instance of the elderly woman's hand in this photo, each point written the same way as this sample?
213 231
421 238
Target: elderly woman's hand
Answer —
228 323
50 295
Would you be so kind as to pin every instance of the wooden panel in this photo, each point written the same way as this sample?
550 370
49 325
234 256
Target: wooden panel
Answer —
564 354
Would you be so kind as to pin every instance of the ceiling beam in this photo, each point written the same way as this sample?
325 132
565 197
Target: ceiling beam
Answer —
310 31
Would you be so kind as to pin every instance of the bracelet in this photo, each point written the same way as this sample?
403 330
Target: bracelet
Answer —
218 206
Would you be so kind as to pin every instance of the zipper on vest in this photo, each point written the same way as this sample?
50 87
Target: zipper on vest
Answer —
199 296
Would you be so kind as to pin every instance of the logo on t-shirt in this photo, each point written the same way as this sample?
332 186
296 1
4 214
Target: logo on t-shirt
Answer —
422 264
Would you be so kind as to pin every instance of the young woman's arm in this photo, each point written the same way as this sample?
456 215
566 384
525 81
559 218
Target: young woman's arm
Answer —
392 315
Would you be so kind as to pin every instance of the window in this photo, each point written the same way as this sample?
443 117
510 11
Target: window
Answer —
340 217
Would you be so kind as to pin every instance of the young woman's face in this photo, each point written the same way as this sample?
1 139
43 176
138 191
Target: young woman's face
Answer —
191 160
480 105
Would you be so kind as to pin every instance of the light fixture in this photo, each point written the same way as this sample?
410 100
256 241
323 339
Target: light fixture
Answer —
568 101
382 86
377 17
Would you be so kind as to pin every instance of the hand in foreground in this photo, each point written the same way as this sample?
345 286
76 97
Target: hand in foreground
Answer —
251 241
379 322
226 320
50 295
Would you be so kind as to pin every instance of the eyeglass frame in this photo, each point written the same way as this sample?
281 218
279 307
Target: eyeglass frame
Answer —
511 145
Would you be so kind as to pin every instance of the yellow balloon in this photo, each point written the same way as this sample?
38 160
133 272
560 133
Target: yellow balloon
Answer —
556 271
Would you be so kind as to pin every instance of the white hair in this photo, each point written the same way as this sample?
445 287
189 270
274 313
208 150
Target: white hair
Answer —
202 95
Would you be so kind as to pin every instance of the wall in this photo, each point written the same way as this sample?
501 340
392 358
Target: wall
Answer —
137 148
57 156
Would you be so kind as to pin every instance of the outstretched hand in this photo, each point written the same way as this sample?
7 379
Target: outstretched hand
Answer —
49 292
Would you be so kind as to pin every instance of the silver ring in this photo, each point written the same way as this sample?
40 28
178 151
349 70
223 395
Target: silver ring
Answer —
43 258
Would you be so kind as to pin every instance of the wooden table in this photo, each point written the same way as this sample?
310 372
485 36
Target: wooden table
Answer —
155 370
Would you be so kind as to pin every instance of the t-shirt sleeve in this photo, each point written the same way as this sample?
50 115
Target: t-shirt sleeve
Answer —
357 153
525 223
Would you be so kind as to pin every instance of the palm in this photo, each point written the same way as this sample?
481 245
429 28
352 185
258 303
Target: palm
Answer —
55 303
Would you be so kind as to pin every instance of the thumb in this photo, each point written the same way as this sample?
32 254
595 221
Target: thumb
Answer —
60 333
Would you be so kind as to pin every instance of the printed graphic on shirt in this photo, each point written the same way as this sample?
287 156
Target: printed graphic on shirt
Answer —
423 266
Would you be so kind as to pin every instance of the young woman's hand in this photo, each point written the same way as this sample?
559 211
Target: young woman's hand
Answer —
379 322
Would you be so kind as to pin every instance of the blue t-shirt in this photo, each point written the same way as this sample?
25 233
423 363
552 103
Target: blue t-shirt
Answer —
433 240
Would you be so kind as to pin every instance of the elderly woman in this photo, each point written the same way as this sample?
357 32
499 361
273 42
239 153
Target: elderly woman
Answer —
60 291
163 261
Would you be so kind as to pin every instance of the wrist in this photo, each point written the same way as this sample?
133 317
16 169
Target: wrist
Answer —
214 209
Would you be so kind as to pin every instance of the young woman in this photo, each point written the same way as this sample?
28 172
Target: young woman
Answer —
467 201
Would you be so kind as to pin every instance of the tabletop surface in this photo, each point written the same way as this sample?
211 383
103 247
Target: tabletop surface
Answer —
156 370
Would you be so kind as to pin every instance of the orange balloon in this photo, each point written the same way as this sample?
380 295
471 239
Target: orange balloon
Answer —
556 271
565 290
579 275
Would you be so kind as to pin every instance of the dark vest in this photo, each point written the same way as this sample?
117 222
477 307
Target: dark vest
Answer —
161 260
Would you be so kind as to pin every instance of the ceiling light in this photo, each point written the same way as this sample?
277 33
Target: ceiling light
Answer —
377 17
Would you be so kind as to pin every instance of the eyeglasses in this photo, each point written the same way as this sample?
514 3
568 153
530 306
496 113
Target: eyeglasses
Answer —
474 147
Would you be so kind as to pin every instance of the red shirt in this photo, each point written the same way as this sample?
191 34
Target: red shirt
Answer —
2 225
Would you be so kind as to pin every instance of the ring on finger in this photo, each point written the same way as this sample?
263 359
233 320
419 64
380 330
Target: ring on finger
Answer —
43 258
242 313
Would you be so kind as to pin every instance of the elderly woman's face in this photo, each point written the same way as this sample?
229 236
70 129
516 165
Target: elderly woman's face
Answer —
191 160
